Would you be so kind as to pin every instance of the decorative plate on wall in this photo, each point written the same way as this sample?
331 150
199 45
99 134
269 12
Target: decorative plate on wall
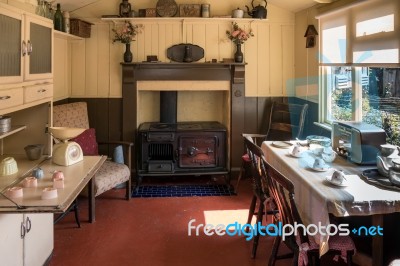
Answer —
166 8
185 53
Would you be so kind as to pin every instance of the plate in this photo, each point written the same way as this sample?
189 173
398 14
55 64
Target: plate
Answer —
166 8
320 169
329 180
282 144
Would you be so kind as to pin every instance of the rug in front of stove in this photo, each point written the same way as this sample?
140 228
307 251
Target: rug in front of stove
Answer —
182 191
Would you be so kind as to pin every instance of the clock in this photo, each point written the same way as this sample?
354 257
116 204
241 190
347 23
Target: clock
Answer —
166 8
67 153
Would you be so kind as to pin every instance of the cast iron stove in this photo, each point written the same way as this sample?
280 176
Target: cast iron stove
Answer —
182 148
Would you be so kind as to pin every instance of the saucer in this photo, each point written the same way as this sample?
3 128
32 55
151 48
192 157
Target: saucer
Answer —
329 180
295 156
282 144
319 169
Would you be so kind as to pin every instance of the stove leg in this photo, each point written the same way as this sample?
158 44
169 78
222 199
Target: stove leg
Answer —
138 183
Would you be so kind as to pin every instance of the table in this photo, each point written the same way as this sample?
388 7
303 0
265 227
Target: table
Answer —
316 198
77 176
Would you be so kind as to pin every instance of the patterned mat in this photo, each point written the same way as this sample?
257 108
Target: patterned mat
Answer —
182 191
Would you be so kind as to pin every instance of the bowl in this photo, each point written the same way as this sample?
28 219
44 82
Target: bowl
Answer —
34 152
65 133
8 166
321 140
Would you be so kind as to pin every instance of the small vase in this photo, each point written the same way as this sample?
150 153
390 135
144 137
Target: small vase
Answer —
128 54
239 54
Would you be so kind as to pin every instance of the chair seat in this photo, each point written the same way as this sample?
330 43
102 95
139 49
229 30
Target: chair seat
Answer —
341 244
109 175
246 158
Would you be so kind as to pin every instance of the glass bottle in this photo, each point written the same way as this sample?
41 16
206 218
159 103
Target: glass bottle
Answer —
58 19
66 22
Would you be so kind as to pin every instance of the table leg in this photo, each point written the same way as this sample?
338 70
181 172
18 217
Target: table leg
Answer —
92 205
377 241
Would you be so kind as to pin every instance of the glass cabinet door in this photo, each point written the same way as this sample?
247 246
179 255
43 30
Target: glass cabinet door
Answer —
11 46
39 42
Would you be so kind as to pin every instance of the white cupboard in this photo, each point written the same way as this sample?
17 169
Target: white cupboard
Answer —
25 239
26 53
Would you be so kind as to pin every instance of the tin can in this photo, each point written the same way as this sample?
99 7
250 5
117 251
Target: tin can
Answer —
205 10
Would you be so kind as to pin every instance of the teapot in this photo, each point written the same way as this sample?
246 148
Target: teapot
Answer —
385 160
394 172
258 11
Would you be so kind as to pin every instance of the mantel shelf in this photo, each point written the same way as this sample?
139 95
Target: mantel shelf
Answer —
181 19
14 129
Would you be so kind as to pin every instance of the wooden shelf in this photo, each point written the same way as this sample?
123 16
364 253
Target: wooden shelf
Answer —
14 129
66 36
182 19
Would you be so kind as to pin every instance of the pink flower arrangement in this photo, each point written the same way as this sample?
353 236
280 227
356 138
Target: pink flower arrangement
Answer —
126 33
238 35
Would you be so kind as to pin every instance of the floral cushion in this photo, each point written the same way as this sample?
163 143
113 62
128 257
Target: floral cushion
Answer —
87 141
71 115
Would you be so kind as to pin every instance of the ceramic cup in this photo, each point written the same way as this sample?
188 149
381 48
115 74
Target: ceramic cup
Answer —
319 163
58 175
49 193
15 192
337 177
30 181
296 151
38 173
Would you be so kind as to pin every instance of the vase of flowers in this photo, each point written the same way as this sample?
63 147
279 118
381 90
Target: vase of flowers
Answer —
238 36
125 34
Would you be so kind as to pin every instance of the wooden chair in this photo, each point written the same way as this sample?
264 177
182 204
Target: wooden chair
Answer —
110 173
286 122
260 191
304 248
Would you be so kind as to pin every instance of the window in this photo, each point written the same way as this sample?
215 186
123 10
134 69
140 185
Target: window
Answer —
360 66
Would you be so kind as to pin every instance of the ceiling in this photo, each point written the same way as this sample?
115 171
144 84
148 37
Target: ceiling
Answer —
292 5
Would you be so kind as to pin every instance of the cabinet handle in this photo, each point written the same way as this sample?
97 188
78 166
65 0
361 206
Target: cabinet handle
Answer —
41 91
29 47
4 97
28 224
23 230
23 48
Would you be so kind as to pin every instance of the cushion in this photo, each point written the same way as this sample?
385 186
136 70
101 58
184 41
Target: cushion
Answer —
87 141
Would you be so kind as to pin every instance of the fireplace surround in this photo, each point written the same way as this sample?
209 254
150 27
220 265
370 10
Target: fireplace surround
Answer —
226 79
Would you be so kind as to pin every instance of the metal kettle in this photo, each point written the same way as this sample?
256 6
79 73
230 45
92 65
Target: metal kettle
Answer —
258 11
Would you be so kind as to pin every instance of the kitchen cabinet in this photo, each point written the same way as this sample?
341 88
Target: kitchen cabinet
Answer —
26 239
26 53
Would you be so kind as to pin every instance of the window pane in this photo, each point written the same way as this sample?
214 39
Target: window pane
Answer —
381 100
339 94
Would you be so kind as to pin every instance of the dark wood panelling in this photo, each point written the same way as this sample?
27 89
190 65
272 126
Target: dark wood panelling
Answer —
250 116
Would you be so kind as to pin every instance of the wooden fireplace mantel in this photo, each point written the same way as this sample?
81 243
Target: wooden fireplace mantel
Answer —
233 73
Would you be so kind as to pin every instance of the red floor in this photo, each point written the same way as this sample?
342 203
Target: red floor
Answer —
154 231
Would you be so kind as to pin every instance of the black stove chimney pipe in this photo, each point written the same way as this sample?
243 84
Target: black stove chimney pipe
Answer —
168 106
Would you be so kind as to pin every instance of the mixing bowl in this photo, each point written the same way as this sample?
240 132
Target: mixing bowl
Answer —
8 166
34 152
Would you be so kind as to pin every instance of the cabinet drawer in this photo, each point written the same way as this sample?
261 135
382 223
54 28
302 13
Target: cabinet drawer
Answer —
37 92
10 98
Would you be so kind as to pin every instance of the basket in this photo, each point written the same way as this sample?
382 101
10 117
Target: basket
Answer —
80 28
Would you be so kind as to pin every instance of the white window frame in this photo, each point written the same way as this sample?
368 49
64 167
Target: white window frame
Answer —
325 77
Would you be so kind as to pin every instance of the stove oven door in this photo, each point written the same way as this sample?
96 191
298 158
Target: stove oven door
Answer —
198 151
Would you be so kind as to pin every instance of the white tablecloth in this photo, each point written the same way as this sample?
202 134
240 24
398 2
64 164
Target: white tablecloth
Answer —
316 198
